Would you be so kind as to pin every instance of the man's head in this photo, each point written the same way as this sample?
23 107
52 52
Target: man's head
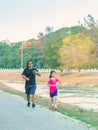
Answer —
29 64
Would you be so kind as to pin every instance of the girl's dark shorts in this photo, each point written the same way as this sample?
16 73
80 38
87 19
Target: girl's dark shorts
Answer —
30 89
53 94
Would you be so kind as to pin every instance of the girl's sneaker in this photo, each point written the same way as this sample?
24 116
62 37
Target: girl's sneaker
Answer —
53 107
56 108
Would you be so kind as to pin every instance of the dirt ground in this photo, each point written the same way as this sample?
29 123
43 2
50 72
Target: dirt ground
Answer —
87 79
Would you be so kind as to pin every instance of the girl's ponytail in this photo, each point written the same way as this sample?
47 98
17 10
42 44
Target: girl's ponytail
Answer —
51 73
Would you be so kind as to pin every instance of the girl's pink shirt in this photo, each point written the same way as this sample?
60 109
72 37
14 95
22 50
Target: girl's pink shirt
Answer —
52 84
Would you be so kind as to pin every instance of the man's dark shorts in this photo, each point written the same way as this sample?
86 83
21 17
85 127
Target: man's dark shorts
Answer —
30 89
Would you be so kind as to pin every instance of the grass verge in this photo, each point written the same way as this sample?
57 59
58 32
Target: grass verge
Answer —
87 116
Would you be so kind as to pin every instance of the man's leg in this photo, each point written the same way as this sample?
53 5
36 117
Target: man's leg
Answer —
28 99
33 100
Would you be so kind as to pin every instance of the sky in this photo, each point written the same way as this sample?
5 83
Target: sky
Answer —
24 19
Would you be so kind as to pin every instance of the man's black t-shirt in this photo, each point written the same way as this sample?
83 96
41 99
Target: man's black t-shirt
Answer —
31 75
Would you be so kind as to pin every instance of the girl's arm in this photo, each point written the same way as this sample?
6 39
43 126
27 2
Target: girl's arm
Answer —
59 82
48 85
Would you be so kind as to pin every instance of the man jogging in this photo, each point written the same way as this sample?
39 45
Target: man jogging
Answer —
29 74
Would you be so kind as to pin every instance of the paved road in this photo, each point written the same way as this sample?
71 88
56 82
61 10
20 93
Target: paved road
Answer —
15 115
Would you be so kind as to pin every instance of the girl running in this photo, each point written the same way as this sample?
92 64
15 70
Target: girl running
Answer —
53 89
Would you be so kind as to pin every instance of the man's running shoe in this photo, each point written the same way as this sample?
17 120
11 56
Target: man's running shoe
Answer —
33 105
28 105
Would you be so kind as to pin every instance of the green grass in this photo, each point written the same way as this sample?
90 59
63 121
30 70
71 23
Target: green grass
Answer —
87 116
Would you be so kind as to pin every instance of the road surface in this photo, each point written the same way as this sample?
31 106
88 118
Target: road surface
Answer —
15 115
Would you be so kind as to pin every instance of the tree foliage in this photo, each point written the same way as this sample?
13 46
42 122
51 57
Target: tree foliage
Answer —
89 22
51 53
49 29
76 51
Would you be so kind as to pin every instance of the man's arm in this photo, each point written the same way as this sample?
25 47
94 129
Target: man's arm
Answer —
35 72
24 77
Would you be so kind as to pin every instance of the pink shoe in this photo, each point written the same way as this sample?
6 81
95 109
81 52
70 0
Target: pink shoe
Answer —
53 108
56 108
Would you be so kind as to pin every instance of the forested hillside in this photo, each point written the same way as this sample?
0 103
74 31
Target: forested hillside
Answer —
73 47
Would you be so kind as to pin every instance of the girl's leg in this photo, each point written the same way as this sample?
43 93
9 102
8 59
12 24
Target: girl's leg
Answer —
56 102
52 102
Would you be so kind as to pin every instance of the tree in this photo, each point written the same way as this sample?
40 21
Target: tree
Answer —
4 51
89 22
75 51
40 35
49 29
51 53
